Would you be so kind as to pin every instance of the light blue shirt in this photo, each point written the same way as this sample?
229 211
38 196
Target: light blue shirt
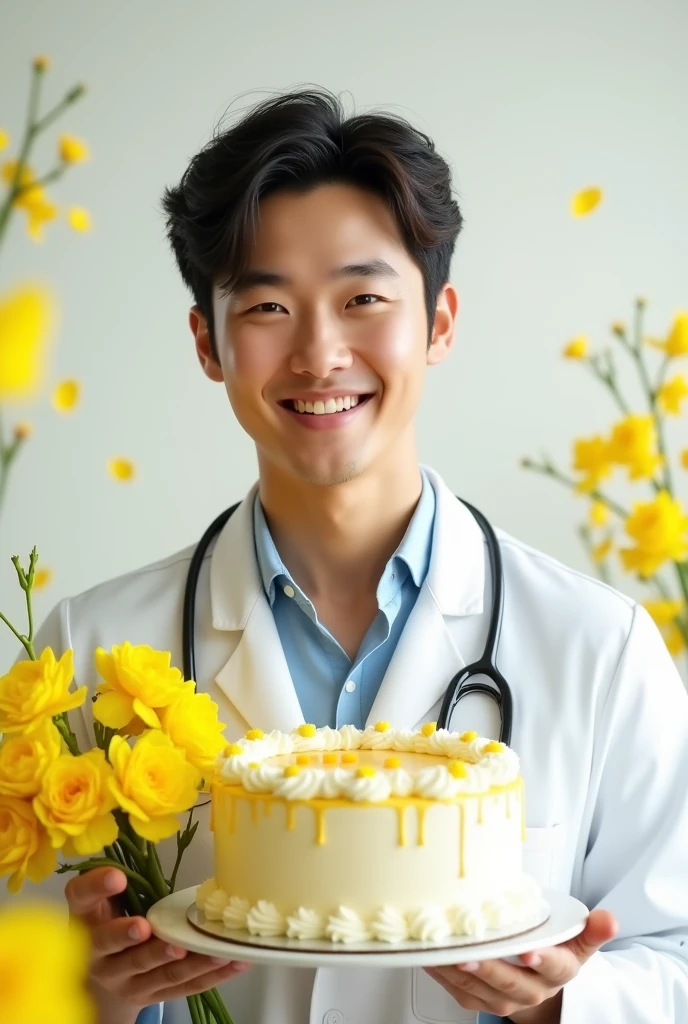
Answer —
332 689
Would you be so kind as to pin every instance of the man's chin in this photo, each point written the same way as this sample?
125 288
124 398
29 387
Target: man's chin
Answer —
330 476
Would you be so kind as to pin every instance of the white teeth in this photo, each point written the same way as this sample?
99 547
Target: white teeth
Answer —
326 408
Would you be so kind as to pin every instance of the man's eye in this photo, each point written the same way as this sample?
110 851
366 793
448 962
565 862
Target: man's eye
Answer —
261 307
367 296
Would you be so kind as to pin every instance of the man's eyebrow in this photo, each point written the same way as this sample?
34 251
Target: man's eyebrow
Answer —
370 268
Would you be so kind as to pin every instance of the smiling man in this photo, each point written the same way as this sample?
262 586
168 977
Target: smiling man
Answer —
350 585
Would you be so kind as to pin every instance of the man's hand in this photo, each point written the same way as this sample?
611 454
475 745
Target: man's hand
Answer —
530 994
129 968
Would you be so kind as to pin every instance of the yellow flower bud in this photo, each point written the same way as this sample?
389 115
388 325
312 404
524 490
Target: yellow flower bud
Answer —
585 201
23 430
41 63
4 140
79 219
599 513
684 458
577 349
72 150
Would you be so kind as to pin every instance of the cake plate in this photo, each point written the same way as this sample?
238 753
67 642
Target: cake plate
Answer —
177 919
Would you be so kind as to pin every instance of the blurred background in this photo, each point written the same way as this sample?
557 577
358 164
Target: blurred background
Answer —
531 103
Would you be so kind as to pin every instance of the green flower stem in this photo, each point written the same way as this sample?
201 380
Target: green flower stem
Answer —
67 735
192 1002
155 872
547 469
106 862
137 855
220 1011
19 637
29 134
608 378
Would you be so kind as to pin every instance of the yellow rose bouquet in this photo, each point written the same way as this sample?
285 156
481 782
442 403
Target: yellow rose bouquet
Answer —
655 546
156 743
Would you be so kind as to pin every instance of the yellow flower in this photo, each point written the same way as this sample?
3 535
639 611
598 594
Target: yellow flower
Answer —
671 394
585 201
66 395
153 783
41 63
75 803
36 941
633 444
619 328
664 612
599 513
25 849
42 578
121 469
79 219
601 551
24 760
4 140
591 457
577 348
40 211
72 150
673 638
27 316
9 173
684 458
676 342
191 722
660 531
137 679
23 430
35 690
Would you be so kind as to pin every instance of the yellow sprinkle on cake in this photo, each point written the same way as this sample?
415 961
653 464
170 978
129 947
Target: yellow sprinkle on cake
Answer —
429 728
392 762
291 770
349 757
232 750
457 769
255 734
366 771
382 727
307 731
330 757
468 737
493 748
303 759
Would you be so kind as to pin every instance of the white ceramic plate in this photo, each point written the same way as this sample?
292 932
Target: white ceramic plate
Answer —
176 919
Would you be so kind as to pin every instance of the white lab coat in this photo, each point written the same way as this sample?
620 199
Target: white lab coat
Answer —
600 724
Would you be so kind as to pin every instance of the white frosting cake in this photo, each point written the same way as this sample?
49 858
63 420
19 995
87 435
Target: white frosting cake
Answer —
350 835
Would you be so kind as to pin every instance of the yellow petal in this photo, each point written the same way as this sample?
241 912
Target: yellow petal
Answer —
66 395
114 709
157 828
27 322
4 139
42 578
72 150
577 348
599 513
146 714
79 219
585 201
684 458
100 832
121 469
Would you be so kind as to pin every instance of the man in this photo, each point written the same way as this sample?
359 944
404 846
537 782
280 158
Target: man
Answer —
350 585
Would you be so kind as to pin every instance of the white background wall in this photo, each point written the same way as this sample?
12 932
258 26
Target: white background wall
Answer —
529 101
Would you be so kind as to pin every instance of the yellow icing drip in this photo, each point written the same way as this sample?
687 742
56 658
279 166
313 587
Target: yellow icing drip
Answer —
254 812
320 825
457 769
493 748
468 737
462 840
350 757
291 770
255 734
382 727
392 762
422 808
366 771
401 816
330 758
290 816
508 804
307 731
232 814
429 728
480 810
267 807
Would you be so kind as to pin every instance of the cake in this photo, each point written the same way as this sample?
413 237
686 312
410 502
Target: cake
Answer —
352 835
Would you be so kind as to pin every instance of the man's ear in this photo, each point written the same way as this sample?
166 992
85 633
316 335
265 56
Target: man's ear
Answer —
445 322
204 348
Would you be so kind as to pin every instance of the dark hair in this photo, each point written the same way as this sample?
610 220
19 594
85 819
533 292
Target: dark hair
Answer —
297 141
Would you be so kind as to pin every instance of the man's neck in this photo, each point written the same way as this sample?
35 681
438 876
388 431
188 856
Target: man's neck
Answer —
335 541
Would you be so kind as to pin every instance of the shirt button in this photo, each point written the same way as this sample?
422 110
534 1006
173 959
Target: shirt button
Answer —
333 1017
350 686
289 591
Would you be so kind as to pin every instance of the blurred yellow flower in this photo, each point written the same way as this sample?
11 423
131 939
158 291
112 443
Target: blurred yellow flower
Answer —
42 578
35 690
676 342
121 469
72 150
4 140
79 219
137 679
75 803
8 172
633 444
673 638
23 430
191 722
25 849
36 941
41 63
591 457
598 514
664 612
24 760
585 201
66 395
684 458
577 348
672 394
619 327
660 531
153 783
27 319
601 551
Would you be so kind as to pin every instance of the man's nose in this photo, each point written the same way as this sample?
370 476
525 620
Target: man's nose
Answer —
320 349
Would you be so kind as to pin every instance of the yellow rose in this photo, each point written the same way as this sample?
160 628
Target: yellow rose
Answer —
75 803
25 848
35 690
191 723
660 531
137 680
24 760
153 783
36 942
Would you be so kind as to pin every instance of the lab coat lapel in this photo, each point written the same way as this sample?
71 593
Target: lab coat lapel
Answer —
256 677
446 619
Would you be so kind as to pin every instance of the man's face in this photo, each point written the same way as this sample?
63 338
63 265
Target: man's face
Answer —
301 329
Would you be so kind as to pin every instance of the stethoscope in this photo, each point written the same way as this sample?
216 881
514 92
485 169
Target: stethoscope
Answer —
460 686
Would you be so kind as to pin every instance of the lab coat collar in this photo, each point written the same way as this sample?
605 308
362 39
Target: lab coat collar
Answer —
256 678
